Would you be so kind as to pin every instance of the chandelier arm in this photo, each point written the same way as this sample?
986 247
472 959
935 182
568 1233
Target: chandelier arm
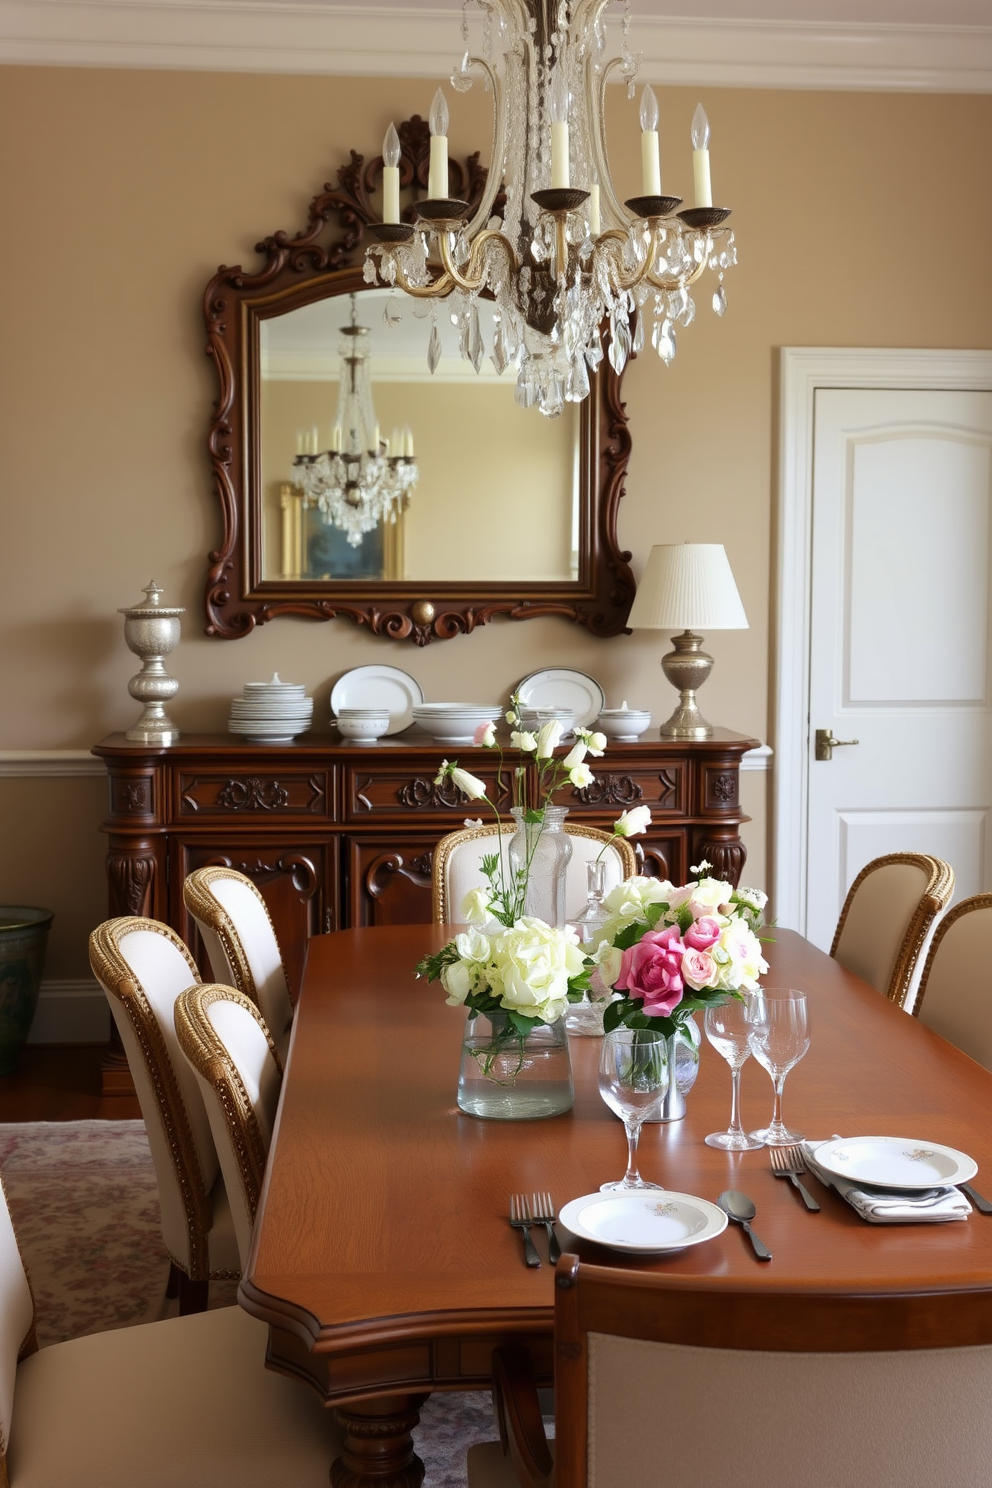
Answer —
471 281
608 196
436 290
683 280
623 280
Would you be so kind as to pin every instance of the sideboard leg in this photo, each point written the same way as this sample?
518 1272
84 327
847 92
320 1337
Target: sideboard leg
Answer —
378 1448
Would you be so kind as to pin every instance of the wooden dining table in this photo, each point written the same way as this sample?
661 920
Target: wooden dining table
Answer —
383 1260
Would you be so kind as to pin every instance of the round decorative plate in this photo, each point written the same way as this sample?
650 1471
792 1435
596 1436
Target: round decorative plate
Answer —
561 687
646 1221
895 1162
383 687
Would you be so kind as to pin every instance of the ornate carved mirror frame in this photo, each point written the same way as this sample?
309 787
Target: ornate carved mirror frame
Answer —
316 263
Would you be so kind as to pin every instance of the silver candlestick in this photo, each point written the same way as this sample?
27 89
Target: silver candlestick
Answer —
152 631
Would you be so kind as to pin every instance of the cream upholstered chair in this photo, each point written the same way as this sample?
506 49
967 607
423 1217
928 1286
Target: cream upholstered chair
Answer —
691 1380
188 1401
143 966
241 943
889 911
228 1047
457 865
953 998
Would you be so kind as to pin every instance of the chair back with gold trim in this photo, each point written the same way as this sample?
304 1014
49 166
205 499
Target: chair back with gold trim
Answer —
143 966
230 1051
801 1389
954 997
241 942
457 865
889 912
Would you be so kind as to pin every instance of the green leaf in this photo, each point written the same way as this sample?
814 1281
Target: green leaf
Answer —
522 1024
532 815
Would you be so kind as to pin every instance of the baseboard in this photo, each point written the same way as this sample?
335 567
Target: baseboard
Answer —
71 1012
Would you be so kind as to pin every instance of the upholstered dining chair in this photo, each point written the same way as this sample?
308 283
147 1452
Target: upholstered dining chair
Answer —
186 1401
953 995
457 865
143 966
890 909
241 942
229 1049
774 1389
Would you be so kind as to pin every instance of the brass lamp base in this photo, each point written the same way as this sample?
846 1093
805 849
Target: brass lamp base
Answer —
686 668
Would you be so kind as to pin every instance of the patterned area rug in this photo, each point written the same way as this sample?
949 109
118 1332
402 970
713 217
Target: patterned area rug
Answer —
85 1207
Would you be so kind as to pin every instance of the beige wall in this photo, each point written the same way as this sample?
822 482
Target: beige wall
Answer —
861 221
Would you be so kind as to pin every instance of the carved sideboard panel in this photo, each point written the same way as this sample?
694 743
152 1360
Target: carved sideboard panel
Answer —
336 834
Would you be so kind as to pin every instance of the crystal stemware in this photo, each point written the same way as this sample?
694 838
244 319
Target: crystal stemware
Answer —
633 1079
779 1037
728 1028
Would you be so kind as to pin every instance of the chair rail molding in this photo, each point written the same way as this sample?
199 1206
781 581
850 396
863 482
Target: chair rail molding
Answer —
422 41
804 369
20 764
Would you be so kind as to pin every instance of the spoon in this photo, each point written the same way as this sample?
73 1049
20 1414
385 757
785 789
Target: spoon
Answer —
740 1209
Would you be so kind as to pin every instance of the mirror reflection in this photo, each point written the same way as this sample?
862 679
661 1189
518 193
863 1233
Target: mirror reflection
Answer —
470 490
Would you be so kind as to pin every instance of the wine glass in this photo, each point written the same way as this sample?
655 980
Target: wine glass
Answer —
779 1038
633 1080
728 1028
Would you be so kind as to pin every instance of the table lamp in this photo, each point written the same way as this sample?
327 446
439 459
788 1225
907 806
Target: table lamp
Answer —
683 586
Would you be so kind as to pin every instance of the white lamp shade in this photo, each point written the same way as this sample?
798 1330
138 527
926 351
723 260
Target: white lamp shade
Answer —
687 586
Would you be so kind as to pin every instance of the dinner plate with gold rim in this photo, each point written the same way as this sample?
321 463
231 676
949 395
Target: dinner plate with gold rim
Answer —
903 1163
645 1221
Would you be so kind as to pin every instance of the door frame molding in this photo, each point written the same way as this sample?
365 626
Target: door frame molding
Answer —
802 370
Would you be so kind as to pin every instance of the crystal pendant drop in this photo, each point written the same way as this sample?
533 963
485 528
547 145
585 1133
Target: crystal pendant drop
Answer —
666 342
720 299
476 349
391 313
434 349
498 357
638 341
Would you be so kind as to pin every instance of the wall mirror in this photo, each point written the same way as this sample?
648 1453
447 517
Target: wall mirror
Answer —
510 513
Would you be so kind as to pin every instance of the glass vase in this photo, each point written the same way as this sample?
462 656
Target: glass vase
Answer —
683 1059
586 1017
505 1076
539 852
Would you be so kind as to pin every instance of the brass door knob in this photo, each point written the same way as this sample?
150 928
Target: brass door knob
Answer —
826 743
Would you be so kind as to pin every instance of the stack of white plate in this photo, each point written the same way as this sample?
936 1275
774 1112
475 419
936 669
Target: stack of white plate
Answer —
271 712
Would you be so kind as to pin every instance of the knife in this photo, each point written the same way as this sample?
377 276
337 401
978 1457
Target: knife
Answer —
980 1202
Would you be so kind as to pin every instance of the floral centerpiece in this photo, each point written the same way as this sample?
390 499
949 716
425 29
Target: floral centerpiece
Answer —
673 951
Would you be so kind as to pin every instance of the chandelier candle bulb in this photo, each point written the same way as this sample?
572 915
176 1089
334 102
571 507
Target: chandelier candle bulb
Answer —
408 442
391 176
558 110
650 150
437 180
701 157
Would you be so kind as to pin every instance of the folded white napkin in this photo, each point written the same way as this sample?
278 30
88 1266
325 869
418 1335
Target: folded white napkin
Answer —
889 1206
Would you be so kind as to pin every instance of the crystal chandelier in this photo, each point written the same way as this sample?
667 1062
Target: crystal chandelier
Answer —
565 260
361 480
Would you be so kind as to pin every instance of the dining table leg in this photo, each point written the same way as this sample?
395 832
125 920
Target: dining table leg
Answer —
378 1449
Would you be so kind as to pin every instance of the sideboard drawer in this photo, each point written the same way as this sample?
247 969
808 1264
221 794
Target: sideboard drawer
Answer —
620 784
408 791
254 795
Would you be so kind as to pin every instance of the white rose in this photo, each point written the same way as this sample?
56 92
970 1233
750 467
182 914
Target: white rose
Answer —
475 907
607 958
532 964
548 739
456 980
631 822
703 898
738 957
753 898
472 945
581 776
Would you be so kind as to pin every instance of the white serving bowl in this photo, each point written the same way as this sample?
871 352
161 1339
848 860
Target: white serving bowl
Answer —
623 724
454 723
532 719
362 724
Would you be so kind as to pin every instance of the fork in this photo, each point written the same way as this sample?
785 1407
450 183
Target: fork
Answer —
542 1211
520 1220
788 1162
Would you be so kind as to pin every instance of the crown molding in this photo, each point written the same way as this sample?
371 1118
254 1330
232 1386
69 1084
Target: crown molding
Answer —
348 40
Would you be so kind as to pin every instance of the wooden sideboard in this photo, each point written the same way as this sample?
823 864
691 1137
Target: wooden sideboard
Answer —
337 835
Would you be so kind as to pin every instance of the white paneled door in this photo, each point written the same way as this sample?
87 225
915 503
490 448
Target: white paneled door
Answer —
900 584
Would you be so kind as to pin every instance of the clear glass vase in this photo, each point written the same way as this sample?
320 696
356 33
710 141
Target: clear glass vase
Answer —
539 852
507 1077
683 1059
586 1017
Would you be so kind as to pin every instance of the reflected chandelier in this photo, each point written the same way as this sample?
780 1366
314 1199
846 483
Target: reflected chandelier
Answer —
564 261
360 481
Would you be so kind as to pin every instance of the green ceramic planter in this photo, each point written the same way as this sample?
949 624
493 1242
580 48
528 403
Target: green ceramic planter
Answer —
23 935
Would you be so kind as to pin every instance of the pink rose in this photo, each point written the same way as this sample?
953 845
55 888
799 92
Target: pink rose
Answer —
699 969
703 933
652 969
